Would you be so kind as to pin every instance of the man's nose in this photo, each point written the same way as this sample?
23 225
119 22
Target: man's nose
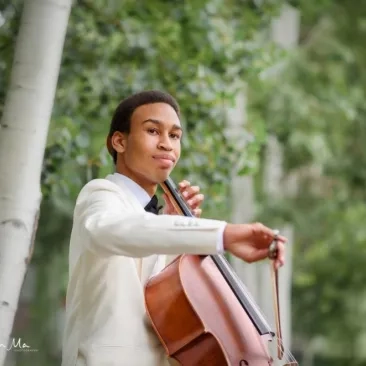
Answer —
165 143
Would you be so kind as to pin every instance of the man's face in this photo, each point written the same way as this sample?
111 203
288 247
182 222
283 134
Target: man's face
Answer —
152 148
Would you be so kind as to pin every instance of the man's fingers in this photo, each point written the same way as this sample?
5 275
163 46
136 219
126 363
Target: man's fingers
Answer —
264 230
184 184
190 192
281 252
196 201
282 239
197 212
272 234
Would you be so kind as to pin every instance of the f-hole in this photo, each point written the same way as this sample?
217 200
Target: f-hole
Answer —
243 363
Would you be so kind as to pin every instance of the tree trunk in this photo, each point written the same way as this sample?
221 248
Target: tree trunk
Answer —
23 134
242 195
285 32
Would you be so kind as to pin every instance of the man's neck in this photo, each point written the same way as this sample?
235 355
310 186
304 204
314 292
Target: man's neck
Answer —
149 187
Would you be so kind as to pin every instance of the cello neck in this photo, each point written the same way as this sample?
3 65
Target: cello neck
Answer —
177 200
237 287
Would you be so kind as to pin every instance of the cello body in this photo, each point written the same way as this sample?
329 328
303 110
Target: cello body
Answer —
199 320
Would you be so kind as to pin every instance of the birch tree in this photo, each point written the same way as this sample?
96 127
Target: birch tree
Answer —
23 134
285 32
257 276
242 190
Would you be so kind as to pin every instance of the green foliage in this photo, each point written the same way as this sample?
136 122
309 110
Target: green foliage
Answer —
315 106
195 50
9 22
329 276
199 51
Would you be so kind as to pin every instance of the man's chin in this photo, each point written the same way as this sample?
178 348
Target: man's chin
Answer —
162 176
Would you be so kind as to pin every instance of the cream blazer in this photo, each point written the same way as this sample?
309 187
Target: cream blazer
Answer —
115 248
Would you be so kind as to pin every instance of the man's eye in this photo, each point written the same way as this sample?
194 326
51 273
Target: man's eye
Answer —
175 136
152 130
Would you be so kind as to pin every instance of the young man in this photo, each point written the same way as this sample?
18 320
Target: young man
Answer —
116 245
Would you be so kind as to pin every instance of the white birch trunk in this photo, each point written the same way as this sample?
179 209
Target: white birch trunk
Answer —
23 134
242 193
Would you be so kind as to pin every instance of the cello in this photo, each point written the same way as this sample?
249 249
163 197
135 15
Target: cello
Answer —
204 315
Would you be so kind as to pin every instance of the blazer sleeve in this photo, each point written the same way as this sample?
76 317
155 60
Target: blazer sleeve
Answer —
115 228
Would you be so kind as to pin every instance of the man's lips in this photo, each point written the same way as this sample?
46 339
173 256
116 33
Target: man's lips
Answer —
164 157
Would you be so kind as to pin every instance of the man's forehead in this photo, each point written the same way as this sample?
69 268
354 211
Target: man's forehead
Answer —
162 112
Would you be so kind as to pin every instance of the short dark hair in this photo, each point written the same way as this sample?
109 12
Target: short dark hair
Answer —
121 120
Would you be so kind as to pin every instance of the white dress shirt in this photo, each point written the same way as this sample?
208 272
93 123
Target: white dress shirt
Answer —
144 198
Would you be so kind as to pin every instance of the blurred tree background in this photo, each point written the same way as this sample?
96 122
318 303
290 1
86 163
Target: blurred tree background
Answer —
201 52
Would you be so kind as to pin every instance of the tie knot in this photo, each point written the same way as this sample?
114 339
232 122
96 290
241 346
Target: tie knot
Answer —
154 200
152 206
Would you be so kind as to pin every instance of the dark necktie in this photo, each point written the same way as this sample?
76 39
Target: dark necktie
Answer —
152 206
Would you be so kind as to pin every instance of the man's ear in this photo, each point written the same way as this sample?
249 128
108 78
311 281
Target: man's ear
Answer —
119 142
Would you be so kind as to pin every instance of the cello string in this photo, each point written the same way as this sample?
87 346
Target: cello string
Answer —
231 273
245 290
289 356
251 300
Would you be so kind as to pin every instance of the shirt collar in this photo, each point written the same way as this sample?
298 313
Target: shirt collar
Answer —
141 195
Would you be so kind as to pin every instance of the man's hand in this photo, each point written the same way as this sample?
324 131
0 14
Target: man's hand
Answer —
251 242
192 197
